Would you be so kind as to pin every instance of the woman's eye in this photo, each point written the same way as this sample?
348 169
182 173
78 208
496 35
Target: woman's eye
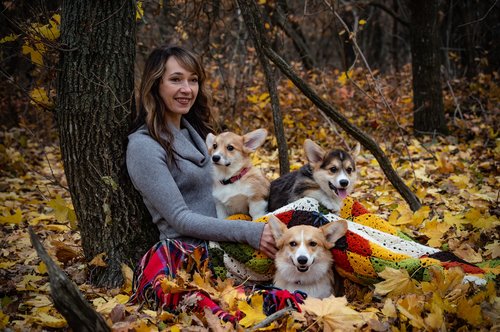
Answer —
293 244
333 169
214 146
194 80
230 148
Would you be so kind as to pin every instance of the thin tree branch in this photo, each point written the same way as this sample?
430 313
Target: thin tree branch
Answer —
251 12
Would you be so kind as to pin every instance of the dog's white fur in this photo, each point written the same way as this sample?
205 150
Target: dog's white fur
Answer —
304 261
230 154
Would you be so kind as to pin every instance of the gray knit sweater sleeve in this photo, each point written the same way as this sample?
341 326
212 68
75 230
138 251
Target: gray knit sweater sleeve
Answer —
179 199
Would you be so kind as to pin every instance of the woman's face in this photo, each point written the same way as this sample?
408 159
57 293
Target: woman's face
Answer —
178 89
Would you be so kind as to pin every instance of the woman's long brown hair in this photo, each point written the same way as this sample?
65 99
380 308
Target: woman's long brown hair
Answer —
151 109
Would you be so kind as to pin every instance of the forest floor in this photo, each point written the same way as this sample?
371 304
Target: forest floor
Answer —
456 177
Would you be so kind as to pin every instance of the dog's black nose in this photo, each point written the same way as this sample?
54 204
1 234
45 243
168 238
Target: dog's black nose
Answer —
215 158
302 260
344 183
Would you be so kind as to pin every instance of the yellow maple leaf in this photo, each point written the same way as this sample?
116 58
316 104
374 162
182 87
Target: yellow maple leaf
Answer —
4 320
446 283
128 275
411 306
435 319
493 249
420 215
470 312
15 218
7 264
486 222
389 309
139 11
443 163
254 312
9 38
421 174
402 215
342 79
98 260
462 181
204 284
454 220
61 209
466 252
396 282
47 320
334 313
435 230
35 52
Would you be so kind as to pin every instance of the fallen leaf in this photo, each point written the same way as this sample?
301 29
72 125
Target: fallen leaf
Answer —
396 282
334 313
15 218
254 312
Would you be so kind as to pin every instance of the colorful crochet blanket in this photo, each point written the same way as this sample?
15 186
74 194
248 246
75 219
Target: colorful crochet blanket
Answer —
370 245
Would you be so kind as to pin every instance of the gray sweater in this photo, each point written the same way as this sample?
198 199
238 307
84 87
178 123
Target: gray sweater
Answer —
179 199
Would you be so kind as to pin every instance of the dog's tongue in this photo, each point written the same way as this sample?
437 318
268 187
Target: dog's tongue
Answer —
342 193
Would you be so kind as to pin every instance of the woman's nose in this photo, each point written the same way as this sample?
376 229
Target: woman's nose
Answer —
185 87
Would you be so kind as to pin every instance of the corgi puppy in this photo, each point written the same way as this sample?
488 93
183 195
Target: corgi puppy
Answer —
329 177
304 261
238 186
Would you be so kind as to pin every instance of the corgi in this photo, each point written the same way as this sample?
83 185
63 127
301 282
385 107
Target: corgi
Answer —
304 260
329 177
238 187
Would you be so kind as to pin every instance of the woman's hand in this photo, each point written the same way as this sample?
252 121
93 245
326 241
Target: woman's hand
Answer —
267 243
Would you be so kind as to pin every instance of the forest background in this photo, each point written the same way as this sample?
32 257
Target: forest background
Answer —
68 74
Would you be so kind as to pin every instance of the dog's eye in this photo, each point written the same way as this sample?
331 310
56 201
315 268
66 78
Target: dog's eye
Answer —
230 148
313 244
293 244
333 169
214 146
349 170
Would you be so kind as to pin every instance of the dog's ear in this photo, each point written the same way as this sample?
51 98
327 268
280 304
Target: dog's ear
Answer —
314 153
334 231
277 227
355 151
254 139
209 141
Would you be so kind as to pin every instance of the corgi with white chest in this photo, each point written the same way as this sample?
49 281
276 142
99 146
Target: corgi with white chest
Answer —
329 177
304 261
238 186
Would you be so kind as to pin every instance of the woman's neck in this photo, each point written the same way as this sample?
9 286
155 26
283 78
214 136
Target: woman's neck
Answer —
174 120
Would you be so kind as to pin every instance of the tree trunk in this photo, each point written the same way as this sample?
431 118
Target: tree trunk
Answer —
279 131
95 96
428 113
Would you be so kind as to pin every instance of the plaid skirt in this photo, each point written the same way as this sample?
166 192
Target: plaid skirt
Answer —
163 261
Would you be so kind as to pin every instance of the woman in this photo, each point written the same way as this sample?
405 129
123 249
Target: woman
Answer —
169 165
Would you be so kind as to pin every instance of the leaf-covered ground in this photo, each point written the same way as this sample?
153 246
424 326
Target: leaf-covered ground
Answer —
456 177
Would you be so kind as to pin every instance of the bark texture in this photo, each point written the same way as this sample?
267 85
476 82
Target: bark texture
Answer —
428 114
95 97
